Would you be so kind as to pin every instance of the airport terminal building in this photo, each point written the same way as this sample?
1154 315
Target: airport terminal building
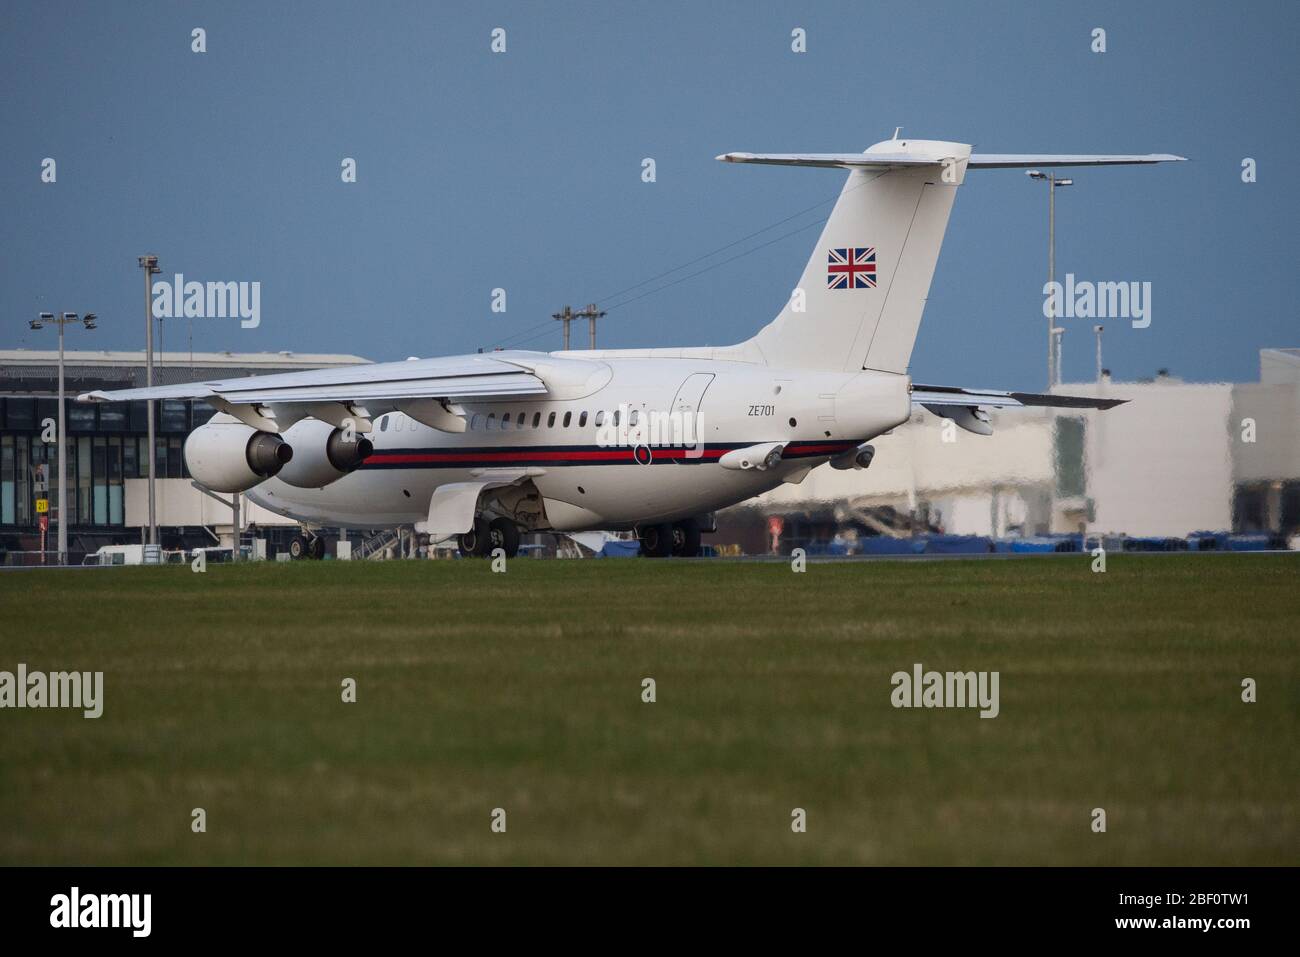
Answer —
108 446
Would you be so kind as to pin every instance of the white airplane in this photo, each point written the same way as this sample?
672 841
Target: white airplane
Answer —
480 447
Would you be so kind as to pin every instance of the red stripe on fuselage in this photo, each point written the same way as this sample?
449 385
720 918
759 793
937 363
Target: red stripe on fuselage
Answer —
532 455
543 454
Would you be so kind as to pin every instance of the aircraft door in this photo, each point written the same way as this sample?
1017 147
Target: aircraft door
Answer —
686 411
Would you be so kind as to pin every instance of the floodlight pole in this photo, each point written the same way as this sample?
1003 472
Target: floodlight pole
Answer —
150 266
62 319
591 314
1060 347
63 463
1051 278
1053 365
565 316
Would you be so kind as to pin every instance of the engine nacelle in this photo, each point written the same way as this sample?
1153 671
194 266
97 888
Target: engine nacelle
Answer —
322 453
226 455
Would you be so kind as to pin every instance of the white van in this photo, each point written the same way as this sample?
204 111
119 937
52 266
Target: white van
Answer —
116 555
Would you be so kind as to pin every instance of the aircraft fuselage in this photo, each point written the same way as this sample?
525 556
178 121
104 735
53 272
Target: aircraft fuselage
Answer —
593 475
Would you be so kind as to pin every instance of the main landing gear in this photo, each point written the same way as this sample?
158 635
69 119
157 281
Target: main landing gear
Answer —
307 546
679 539
487 536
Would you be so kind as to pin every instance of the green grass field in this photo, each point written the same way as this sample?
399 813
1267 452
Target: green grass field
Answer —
523 691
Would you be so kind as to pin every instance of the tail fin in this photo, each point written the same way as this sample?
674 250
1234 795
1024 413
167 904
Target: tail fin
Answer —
858 304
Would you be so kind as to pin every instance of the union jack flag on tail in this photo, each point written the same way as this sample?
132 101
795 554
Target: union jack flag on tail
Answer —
852 268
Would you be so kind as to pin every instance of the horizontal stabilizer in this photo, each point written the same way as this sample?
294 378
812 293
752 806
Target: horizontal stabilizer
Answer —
901 160
1025 160
831 160
927 395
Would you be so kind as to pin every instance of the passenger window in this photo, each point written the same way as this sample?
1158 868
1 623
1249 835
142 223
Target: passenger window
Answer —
383 424
519 421
582 419
616 412
632 419
475 422
537 419
550 421
505 421
491 421
567 416
600 418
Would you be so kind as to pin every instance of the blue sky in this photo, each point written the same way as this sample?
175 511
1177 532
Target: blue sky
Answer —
522 170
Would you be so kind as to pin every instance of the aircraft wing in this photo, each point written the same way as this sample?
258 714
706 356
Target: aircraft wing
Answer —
385 381
423 388
928 395
966 407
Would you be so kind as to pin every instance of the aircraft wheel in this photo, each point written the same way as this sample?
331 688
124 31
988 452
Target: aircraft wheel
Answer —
503 533
298 547
686 539
656 540
475 542
317 548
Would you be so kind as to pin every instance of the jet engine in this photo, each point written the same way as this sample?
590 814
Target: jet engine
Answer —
226 455
322 453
